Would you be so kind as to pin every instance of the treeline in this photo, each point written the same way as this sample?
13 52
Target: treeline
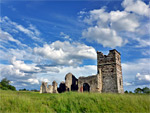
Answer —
24 89
144 90
4 85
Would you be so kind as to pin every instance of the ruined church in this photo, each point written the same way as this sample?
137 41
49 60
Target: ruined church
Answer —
107 80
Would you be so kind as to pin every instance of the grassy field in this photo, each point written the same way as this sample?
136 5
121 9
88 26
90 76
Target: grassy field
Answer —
15 101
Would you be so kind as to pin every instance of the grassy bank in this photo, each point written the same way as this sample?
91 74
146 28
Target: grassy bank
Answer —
14 101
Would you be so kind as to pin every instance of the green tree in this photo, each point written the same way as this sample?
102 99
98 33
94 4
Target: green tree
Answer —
4 85
23 89
138 90
35 90
5 82
11 87
130 91
146 90
126 91
1 85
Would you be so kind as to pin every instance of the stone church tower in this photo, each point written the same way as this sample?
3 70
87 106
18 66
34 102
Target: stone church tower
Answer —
111 71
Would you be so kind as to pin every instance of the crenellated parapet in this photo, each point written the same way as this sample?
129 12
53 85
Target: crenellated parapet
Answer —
112 57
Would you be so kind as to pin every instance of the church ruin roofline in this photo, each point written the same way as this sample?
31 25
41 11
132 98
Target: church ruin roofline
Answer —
110 51
54 81
69 74
114 50
83 77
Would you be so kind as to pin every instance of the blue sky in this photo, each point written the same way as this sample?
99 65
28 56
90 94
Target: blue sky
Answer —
43 40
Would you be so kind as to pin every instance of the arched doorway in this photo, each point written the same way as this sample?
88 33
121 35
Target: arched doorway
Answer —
86 87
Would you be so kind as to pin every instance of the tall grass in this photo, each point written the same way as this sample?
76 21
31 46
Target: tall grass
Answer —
14 101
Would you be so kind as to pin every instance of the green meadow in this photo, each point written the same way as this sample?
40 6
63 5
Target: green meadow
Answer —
72 102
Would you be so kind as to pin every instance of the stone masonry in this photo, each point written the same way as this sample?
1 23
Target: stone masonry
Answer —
107 80
110 66
49 89
91 83
71 82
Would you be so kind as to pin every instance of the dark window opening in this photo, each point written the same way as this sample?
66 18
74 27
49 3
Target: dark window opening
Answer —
120 82
86 87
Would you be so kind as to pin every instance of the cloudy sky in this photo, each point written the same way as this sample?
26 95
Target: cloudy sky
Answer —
43 40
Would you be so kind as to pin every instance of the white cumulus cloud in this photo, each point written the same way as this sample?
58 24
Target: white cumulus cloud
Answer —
24 67
142 78
136 6
107 28
33 81
66 53
105 36
130 69
10 71
123 21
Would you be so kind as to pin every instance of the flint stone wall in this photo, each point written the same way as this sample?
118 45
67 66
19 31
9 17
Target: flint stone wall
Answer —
110 66
90 80
50 89
43 88
71 82
55 87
